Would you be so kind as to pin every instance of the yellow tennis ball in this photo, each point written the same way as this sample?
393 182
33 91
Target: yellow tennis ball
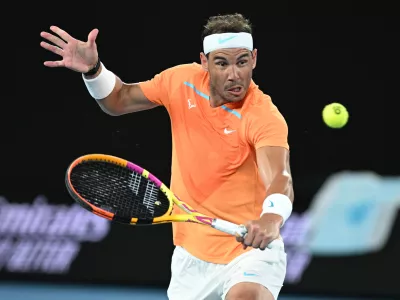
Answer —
335 115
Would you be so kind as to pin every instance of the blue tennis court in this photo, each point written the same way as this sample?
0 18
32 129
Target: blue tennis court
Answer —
20 291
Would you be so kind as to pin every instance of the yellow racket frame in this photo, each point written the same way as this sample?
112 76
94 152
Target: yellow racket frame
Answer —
191 214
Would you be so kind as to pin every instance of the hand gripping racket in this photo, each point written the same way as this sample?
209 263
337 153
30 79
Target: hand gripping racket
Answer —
123 192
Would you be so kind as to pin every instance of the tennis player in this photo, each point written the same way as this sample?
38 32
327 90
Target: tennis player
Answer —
230 157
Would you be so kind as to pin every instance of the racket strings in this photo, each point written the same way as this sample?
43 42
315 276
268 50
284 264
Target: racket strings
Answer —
118 190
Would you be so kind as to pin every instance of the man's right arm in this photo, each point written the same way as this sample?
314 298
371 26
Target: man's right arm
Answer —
114 96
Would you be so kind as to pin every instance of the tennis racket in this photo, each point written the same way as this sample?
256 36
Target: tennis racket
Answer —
122 192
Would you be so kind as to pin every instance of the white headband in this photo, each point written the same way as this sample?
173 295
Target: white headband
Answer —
227 40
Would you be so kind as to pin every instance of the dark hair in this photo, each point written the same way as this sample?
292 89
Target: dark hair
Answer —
227 23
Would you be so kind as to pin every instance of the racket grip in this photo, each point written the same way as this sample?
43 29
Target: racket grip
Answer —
230 228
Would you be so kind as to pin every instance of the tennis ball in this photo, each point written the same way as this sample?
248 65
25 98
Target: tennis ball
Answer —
335 115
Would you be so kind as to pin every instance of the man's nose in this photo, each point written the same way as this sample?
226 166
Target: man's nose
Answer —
233 73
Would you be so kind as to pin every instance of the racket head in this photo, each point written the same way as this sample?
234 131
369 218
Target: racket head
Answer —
118 190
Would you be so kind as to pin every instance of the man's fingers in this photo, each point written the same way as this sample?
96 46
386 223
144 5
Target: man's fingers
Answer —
258 240
268 238
56 50
251 232
256 237
54 64
54 39
52 48
63 34
265 242
239 238
92 37
262 239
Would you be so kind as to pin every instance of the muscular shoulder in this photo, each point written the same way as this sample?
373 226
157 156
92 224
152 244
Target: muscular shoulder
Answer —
264 123
164 84
259 105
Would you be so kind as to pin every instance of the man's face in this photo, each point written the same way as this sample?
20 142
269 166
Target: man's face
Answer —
231 71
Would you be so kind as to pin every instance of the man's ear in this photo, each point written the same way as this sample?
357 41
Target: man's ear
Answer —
204 61
254 54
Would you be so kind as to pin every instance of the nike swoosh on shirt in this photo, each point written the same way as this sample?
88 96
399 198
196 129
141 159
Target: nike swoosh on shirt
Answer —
226 131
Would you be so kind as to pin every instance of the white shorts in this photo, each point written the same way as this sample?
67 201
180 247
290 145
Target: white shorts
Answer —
195 279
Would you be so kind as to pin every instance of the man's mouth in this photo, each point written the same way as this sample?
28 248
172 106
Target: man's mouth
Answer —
235 89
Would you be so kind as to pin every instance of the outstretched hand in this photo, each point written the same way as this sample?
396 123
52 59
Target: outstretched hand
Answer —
76 55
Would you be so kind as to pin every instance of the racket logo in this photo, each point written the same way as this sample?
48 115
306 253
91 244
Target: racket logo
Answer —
206 220
203 220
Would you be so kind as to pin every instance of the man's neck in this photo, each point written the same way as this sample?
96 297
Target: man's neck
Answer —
216 101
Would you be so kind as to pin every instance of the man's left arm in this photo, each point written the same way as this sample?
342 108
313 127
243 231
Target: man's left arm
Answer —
274 168
268 135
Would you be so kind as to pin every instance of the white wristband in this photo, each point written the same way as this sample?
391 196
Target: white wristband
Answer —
102 85
278 204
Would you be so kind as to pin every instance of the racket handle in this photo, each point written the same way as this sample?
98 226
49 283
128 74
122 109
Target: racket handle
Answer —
238 230
230 228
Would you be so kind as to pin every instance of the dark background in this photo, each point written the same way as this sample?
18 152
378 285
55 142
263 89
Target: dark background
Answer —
309 56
